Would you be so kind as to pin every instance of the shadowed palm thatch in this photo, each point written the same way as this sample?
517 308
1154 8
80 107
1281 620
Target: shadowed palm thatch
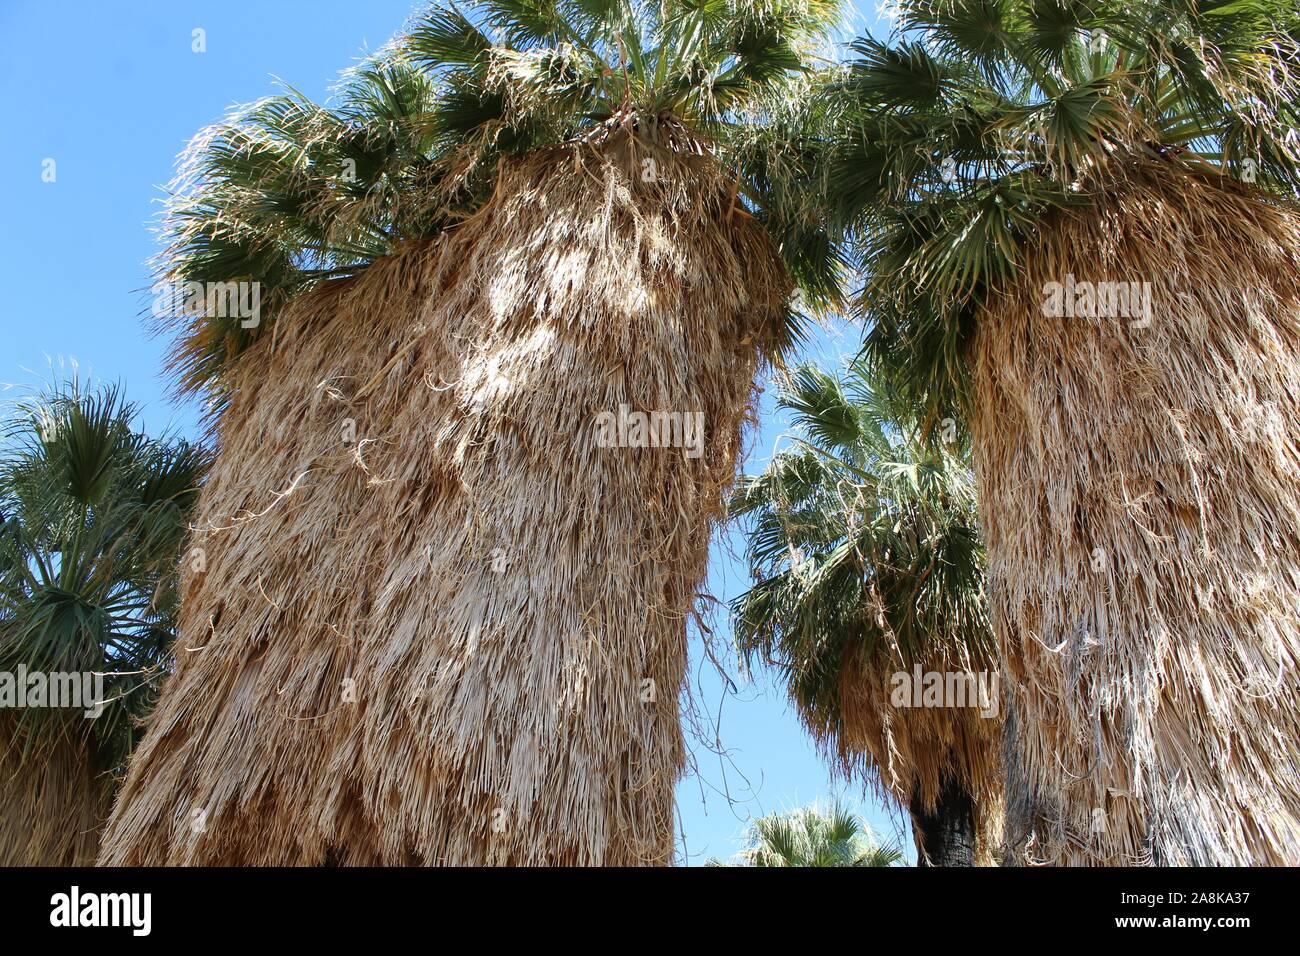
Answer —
1140 498
55 804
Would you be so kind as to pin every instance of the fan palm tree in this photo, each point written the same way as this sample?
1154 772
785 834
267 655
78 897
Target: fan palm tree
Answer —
863 545
443 618
1078 223
814 837
92 514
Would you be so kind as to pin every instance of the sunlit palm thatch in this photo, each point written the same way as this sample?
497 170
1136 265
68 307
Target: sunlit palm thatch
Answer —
1137 468
867 561
438 623
814 837
92 515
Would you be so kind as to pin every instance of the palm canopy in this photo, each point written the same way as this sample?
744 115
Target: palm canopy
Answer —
288 193
92 518
814 837
978 120
862 540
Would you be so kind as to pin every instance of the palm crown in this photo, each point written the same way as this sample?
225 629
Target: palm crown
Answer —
861 538
92 517
814 837
289 193
980 119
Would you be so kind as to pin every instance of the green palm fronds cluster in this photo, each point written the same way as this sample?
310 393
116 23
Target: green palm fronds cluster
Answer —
861 538
92 518
813 837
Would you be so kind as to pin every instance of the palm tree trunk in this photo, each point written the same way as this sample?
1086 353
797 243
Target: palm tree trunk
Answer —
945 833
441 621
1140 494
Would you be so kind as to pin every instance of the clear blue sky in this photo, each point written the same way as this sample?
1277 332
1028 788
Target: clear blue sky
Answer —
112 92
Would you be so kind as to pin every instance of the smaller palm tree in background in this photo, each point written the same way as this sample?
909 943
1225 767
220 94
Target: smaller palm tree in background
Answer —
92 517
867 562
813 837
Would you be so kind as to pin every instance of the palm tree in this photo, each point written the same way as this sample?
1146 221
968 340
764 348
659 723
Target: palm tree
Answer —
1078 224
867 563
442 619
92 513
814 837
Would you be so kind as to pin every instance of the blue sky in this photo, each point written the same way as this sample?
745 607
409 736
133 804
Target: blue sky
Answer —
111 93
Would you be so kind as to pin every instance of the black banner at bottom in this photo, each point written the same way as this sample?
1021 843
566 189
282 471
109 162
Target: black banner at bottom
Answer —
540 907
